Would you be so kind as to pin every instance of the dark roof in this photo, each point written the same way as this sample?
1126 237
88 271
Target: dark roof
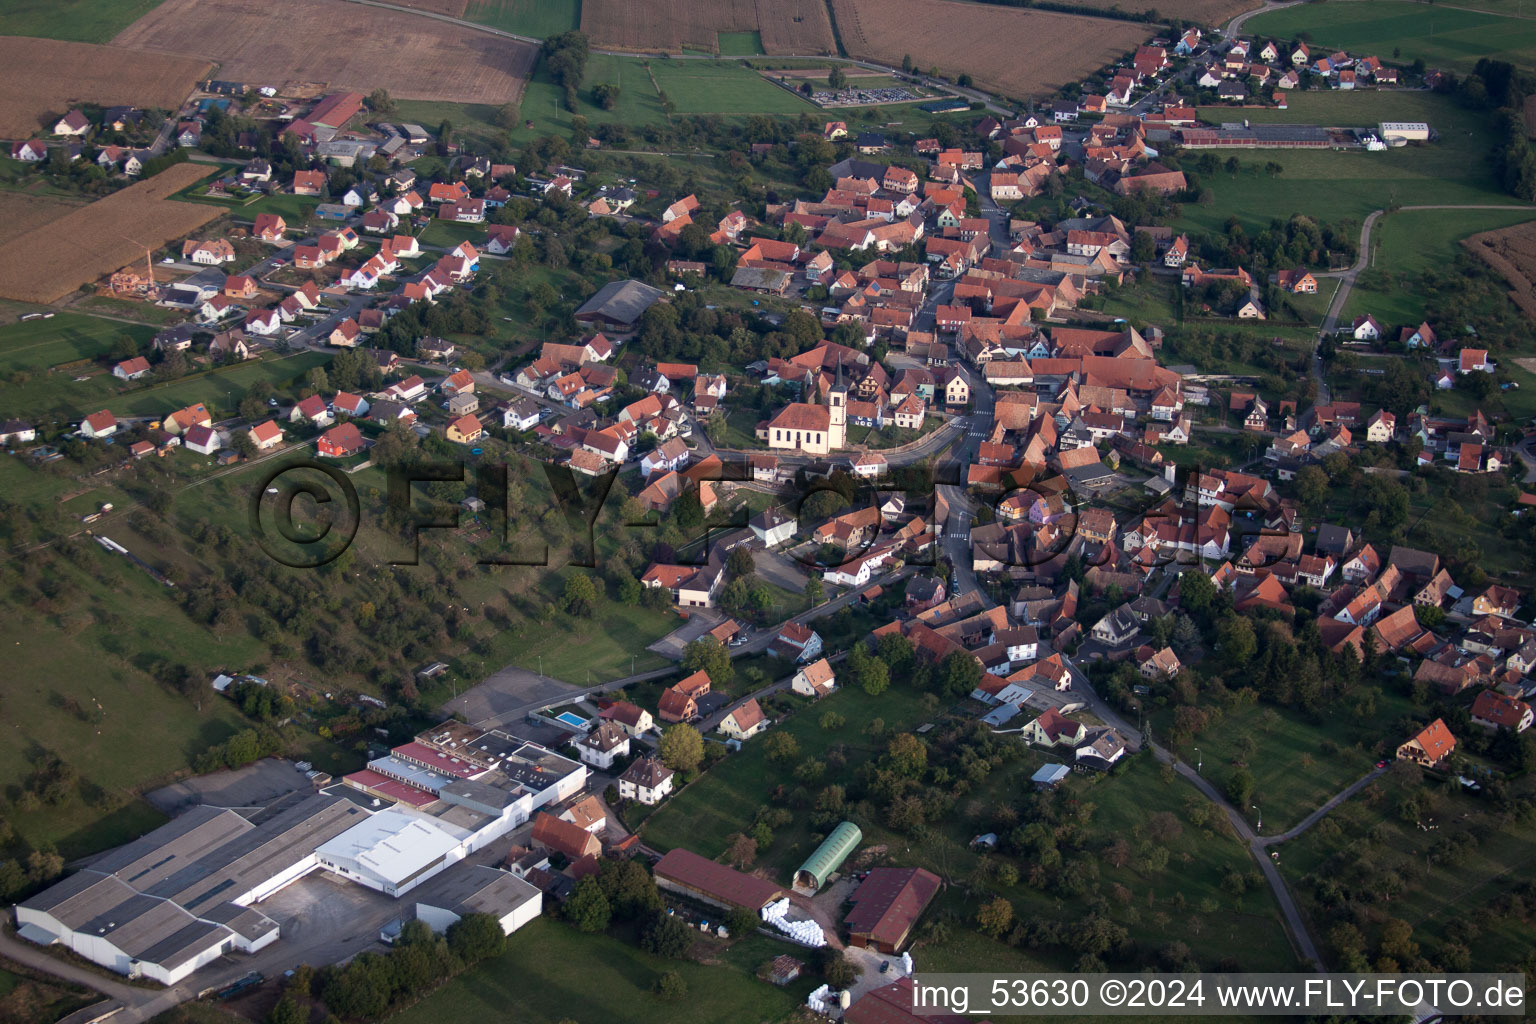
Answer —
619 302
889 902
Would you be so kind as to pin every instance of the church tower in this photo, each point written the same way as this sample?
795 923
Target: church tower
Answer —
837 412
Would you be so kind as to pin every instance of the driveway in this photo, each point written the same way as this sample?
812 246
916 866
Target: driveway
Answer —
701 621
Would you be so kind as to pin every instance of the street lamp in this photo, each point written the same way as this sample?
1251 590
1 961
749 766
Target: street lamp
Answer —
1198 762
1259 826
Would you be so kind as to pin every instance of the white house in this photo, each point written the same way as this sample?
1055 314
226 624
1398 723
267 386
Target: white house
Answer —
647 780
1365 328
603 745
814 680
745 721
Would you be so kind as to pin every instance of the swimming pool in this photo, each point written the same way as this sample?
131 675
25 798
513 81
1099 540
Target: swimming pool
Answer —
572 719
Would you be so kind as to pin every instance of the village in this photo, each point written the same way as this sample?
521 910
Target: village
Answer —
948 536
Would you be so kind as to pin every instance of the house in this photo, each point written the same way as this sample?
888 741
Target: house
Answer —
340 442
17 432
646 780
797 641
208 253
520 414
1365 328
1299 282
1054 729
564 837
1474 360
308 183
633 719
265 435
30 152
1430 746
1494 710
679 702
1117 628
203 440
745 721
466 429
72 125
1163 664
131 369
312 410
603 745
182 420
98 424
814 680
1177 252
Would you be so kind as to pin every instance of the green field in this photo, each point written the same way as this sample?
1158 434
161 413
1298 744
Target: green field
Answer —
701 87
538 18
741 44
1443 37
1333 185
1411 242
551 972
83 21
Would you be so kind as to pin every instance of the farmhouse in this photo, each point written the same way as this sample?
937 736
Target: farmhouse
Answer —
685 872
1430 746
887 904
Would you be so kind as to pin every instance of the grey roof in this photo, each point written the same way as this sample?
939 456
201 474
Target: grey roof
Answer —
761 277
480 890
1332 539
620 302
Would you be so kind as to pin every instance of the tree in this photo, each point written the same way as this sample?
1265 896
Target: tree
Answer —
1311 487
708 655
740 561
814 593
1240 788
666 936
671 987
1235 635
1196 591
605 95
837 79
507 116
740 852
839 971
781 747
476 937
588 908
961 673
682 748
286 1012
905 755
876 677
1143 249
580 595
994 917
380 102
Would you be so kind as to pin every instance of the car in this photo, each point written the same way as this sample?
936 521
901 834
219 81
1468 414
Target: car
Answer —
885 965
168 261
1381 764
272 403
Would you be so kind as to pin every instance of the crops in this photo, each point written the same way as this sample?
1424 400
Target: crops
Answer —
1512 252
21 213
344 45
1017 52
1204 12
787 26
50 261
49 76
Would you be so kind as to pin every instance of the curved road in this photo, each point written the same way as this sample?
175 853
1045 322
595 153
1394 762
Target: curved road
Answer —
1235 26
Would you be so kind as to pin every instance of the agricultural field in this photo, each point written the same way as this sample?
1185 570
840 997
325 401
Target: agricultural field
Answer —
61 74
452 8
21 213
539 18
1358 108
346 46
47 263
81 21
790 27
703 87
1444 37
1512 252
1016 52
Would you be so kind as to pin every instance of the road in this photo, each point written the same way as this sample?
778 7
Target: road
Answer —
1351 274
1235 26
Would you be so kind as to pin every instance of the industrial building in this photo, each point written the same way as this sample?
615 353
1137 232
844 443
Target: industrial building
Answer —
829 856
1259 136
187 893
481 890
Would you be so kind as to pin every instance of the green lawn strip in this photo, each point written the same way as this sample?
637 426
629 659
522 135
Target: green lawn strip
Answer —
82 21
741 44
1442 37
1358 108
550 971
540 18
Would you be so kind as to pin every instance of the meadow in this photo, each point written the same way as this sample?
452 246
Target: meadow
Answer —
1401 31
538 18
550 971
81 21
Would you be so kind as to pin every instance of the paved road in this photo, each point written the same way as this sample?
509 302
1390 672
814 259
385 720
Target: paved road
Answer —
1235 26
1322 812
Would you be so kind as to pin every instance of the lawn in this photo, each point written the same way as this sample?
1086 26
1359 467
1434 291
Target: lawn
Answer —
1294 769
1410 242
1443 895
1334 185
1443 37
81 21
551 972
702 87
36 346
538 18
740 44
449 234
